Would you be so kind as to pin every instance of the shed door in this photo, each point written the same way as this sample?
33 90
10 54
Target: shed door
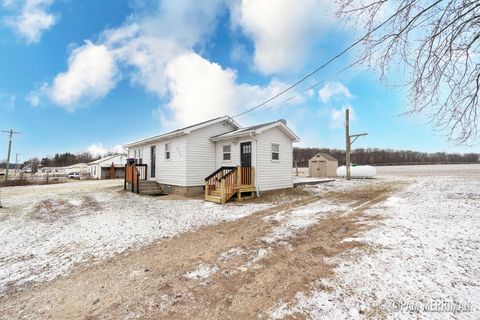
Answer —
153 152
246 154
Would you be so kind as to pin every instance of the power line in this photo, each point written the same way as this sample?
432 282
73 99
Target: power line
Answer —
312 86
338 55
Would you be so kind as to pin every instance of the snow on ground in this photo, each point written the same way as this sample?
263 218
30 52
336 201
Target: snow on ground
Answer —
202 272
300 219
426 258
46 230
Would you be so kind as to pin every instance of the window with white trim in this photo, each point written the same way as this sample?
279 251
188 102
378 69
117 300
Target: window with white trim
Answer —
227 153
275 151
137 155
167 151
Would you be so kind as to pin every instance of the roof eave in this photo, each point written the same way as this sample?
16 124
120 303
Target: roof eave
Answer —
181 132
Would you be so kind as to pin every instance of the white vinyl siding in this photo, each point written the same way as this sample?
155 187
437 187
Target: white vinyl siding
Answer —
275 174
235 151
202 154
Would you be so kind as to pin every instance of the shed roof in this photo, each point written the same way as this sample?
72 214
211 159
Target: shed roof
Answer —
326 156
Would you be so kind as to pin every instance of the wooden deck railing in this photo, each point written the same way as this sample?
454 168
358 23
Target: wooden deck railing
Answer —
225 182
133 174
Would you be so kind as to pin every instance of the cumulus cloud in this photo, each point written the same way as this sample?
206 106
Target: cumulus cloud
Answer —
32 19
91 74
333 90
144 45
157 52
337 116
201 89
283 31
97 150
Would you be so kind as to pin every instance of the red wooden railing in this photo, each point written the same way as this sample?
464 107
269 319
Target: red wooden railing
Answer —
133 174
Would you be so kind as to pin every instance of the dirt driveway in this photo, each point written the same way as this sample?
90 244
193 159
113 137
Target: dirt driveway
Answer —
233 270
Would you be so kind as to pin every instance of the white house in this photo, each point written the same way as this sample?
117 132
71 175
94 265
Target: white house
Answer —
181 160
78 167
108 167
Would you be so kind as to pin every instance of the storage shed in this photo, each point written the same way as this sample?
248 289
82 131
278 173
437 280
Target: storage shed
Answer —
322 165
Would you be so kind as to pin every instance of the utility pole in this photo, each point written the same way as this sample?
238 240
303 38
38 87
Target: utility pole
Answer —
10 137
16 163
349 142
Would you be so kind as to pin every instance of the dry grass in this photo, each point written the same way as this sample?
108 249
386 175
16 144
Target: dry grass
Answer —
51 209
283 195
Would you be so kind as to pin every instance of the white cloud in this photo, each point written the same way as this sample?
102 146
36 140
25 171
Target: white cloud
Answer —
333 90
201 89
97 149
337 116
157 53
7 101
91 74
283 31
32 19
144 45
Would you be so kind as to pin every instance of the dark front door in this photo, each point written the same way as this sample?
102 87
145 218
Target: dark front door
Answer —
153 152
246 154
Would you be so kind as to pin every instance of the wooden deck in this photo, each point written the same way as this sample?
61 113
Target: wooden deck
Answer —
228 183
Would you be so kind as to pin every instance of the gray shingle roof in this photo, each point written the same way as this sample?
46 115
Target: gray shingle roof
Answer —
326 156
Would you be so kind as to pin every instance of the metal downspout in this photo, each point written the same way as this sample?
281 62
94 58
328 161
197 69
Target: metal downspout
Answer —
256 167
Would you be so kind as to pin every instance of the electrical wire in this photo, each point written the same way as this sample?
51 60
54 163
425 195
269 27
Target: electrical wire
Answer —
338 55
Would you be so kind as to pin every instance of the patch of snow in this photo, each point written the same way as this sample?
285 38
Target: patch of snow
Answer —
427 252
299 219
35 250
202 272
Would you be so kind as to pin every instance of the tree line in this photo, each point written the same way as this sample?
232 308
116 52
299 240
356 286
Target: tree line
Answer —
384 156
57 160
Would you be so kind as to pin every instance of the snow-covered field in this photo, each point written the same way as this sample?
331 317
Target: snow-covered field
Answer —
426 261
422 258
46 230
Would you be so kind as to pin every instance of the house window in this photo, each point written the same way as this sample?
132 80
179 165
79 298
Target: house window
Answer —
167 151
275 151
137 154
227 154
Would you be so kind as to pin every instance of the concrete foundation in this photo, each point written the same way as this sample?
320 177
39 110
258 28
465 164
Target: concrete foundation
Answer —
194 191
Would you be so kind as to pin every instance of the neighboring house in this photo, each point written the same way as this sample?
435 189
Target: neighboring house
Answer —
78 167
59 170
322 165
181 160
108 167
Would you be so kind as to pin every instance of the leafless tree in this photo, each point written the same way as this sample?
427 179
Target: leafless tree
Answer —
437 44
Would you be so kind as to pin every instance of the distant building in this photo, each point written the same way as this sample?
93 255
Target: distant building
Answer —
78 167
108 167
322 165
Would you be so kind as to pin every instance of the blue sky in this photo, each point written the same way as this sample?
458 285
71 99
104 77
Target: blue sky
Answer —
93 75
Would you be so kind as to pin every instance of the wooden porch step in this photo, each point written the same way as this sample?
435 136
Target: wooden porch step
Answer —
211 198
150 188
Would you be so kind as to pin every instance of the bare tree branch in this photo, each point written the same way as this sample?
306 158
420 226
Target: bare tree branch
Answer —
437 44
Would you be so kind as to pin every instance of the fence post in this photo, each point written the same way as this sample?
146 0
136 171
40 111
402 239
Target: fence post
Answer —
222 190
